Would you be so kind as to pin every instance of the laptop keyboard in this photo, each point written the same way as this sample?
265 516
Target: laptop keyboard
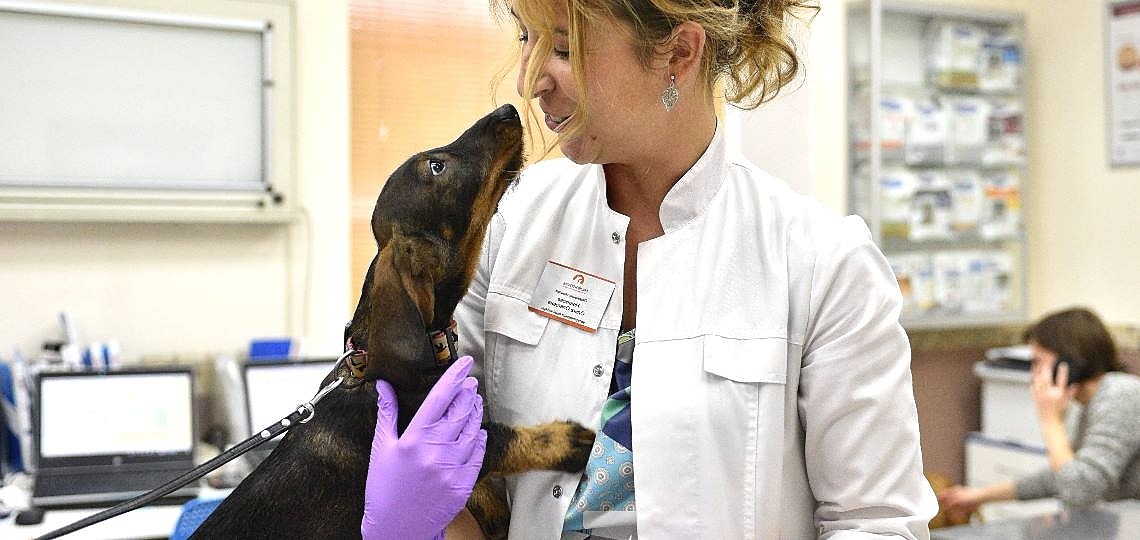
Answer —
51 485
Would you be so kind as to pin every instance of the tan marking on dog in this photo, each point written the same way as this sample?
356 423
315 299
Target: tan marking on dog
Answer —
488 505
422 292
486 202
546 446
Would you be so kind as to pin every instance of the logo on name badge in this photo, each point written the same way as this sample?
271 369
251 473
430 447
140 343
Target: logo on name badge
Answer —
571 296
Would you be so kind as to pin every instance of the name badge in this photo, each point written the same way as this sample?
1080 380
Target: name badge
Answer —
571 296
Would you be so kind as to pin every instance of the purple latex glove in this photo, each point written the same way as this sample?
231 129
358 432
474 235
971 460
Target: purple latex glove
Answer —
417 483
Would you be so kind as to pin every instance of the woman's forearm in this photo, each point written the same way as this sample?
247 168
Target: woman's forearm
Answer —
1001 491
1057 443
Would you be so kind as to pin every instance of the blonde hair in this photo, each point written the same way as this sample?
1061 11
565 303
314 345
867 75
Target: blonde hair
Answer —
747 45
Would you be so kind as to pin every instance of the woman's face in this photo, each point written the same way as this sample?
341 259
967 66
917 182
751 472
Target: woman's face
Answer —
1042 358
622 97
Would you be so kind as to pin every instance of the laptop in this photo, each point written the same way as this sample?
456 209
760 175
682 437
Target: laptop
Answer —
273 389
102 437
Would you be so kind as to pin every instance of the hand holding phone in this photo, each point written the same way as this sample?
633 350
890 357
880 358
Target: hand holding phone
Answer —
1077 372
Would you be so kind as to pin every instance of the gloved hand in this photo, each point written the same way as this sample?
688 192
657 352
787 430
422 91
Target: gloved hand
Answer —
417 483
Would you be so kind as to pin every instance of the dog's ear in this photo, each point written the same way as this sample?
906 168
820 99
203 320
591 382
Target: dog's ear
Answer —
403 300
418 265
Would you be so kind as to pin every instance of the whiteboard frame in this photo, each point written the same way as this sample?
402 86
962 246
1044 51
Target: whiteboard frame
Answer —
161 200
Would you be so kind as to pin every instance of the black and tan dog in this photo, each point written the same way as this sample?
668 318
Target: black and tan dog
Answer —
429 223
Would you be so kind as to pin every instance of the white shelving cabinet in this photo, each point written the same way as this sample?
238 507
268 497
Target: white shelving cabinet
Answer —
937 145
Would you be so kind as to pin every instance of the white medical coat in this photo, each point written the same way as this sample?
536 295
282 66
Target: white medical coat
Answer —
771 394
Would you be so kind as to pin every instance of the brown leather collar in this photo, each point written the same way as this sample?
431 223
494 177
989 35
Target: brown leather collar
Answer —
443 343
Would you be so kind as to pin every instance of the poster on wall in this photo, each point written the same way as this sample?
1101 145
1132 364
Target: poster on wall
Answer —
1122 66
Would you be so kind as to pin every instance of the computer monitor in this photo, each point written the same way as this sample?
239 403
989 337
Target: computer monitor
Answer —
84 416
273 389
102 437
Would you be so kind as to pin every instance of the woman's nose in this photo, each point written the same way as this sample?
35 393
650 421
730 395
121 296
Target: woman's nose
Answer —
542 84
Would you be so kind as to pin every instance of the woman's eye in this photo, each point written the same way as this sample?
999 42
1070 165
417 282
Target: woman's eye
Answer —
561 54
436 167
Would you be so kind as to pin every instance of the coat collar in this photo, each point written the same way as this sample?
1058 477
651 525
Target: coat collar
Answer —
692 193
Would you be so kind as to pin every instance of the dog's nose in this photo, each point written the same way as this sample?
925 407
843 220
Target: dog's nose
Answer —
506 113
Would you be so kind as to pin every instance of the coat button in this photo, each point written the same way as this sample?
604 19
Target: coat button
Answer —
615 237
557 491
598 371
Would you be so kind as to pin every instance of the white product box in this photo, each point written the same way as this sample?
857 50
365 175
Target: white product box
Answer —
1008 412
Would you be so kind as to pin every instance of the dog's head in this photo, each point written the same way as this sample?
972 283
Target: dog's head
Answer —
429 223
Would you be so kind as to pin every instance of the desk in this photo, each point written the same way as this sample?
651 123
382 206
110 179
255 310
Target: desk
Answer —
147 522
1117 520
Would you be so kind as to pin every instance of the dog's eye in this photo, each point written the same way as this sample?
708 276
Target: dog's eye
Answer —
436 167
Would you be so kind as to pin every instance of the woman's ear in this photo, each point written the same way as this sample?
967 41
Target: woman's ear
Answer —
685 48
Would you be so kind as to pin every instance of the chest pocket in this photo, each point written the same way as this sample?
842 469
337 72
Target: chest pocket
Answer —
745 390
752 360
513 333
511 317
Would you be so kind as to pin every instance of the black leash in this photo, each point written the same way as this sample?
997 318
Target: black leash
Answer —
303 414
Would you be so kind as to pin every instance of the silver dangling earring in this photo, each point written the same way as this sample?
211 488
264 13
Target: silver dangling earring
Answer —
670 95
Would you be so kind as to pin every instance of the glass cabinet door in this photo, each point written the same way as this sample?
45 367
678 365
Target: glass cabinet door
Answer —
937 148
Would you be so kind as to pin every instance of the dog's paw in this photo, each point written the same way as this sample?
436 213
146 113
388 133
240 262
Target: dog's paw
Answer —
579 443
557 446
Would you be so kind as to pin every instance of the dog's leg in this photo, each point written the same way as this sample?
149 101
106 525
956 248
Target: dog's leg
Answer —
558 446
488 505
563 446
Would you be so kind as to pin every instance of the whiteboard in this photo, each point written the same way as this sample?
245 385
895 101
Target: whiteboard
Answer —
109 98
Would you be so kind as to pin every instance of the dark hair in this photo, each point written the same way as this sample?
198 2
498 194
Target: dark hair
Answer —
1079 334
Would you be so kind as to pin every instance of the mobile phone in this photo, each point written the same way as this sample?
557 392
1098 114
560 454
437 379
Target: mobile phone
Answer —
1077 370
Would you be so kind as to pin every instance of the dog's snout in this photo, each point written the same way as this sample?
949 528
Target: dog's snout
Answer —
506 113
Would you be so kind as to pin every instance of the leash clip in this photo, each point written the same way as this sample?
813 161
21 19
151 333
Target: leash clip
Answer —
310 406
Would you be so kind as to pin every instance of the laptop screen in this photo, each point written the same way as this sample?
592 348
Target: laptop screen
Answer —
117 413
275 389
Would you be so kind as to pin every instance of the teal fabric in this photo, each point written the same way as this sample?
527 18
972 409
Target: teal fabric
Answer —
606 492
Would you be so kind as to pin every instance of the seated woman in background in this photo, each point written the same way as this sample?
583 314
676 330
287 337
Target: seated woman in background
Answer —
1103 460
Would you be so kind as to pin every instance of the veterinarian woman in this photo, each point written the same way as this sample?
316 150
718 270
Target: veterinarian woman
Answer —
1103 461
735 345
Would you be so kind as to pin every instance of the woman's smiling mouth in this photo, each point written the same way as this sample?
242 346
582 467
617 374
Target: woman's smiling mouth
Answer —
555 123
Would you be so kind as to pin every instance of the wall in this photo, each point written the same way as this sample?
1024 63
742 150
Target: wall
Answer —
191 290
388 54
804 130
1081 214
1084 257
1084 225
253 283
